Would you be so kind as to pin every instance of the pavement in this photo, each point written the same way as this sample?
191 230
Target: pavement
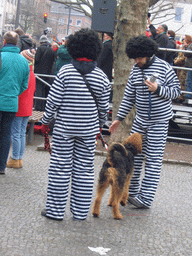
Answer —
163 230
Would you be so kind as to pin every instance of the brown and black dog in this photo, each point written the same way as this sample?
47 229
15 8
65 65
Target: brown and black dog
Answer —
117 171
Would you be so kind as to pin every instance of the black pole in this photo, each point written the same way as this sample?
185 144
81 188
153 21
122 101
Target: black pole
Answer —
69 20
17 14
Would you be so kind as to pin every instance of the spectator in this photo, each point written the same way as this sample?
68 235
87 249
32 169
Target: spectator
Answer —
105 61
170 56
181 73
77 123
25 42
19 125
14 75
154 110
55 47
44 59
188 64
63 56
160 37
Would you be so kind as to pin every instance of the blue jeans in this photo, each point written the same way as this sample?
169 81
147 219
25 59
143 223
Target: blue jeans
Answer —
18 132
6 119
189 84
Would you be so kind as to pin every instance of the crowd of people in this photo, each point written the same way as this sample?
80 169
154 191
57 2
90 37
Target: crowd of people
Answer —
166 39
78 102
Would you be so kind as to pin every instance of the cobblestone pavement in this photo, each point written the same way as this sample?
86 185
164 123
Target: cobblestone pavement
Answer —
163 230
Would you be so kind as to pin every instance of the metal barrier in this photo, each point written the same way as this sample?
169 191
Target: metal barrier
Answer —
174 67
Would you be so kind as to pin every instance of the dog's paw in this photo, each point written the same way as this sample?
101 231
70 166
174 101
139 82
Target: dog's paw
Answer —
118 217
96 215
123 203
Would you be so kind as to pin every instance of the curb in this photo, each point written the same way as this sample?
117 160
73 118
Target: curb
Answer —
104 154
167 161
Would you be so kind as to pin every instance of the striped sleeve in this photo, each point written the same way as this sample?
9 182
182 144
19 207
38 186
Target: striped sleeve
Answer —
171 89
128 99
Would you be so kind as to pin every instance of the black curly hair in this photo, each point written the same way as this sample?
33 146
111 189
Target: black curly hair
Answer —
141 46
84 43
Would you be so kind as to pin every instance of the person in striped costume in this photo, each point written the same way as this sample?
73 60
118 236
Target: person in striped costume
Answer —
78 121
153 100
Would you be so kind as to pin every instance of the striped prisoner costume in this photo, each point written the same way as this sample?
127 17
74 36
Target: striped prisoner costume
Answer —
153 112
74 134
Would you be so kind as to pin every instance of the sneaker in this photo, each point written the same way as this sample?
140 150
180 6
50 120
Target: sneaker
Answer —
75 219
135 201
44 214
2 171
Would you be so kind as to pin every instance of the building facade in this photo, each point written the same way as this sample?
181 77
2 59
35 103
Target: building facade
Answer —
65 21
178 19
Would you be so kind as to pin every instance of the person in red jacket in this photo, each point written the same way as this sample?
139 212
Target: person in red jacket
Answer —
19 125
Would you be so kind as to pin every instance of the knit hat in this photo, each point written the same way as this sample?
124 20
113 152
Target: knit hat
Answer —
29 56
43 39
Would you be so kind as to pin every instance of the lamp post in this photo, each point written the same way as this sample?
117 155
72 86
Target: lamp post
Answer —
17 14
69 17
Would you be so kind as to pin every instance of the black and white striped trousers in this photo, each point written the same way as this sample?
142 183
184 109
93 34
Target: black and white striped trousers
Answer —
154 140
72 159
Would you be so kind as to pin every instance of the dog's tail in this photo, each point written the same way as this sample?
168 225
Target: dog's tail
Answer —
115 152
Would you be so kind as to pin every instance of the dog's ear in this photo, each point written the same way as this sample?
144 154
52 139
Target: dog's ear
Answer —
136 140
131 148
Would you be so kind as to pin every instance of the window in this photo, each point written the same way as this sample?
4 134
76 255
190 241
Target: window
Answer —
191 15
178 13
78 23
61 21
70 21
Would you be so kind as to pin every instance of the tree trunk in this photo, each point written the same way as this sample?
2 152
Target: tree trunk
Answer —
132 18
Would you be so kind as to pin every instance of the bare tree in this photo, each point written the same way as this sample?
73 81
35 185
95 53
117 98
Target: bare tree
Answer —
86 6
31 16
162 10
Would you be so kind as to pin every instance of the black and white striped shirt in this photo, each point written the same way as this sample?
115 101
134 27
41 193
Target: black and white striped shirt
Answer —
69 97
136 92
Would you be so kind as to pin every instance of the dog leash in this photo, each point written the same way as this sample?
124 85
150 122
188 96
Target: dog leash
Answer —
47 142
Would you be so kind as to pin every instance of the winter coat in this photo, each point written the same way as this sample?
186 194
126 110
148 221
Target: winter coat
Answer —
24 43
26 98
161 40
63 58
188 61
105 61
44 59
170 56
14 75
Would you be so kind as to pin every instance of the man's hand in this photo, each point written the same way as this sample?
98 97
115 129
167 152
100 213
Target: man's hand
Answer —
151 86
114 126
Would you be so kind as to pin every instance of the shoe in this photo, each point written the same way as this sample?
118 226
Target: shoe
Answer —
44 214
12 163
20 163
75 219
135 201
2 171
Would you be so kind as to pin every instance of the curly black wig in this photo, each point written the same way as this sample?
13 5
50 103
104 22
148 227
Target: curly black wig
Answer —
84 43
141 46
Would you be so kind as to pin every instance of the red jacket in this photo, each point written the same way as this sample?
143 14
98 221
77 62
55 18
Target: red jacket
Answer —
26 98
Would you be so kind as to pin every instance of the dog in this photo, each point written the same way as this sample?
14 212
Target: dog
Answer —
117 171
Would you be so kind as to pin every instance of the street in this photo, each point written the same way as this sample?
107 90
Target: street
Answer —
165 229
